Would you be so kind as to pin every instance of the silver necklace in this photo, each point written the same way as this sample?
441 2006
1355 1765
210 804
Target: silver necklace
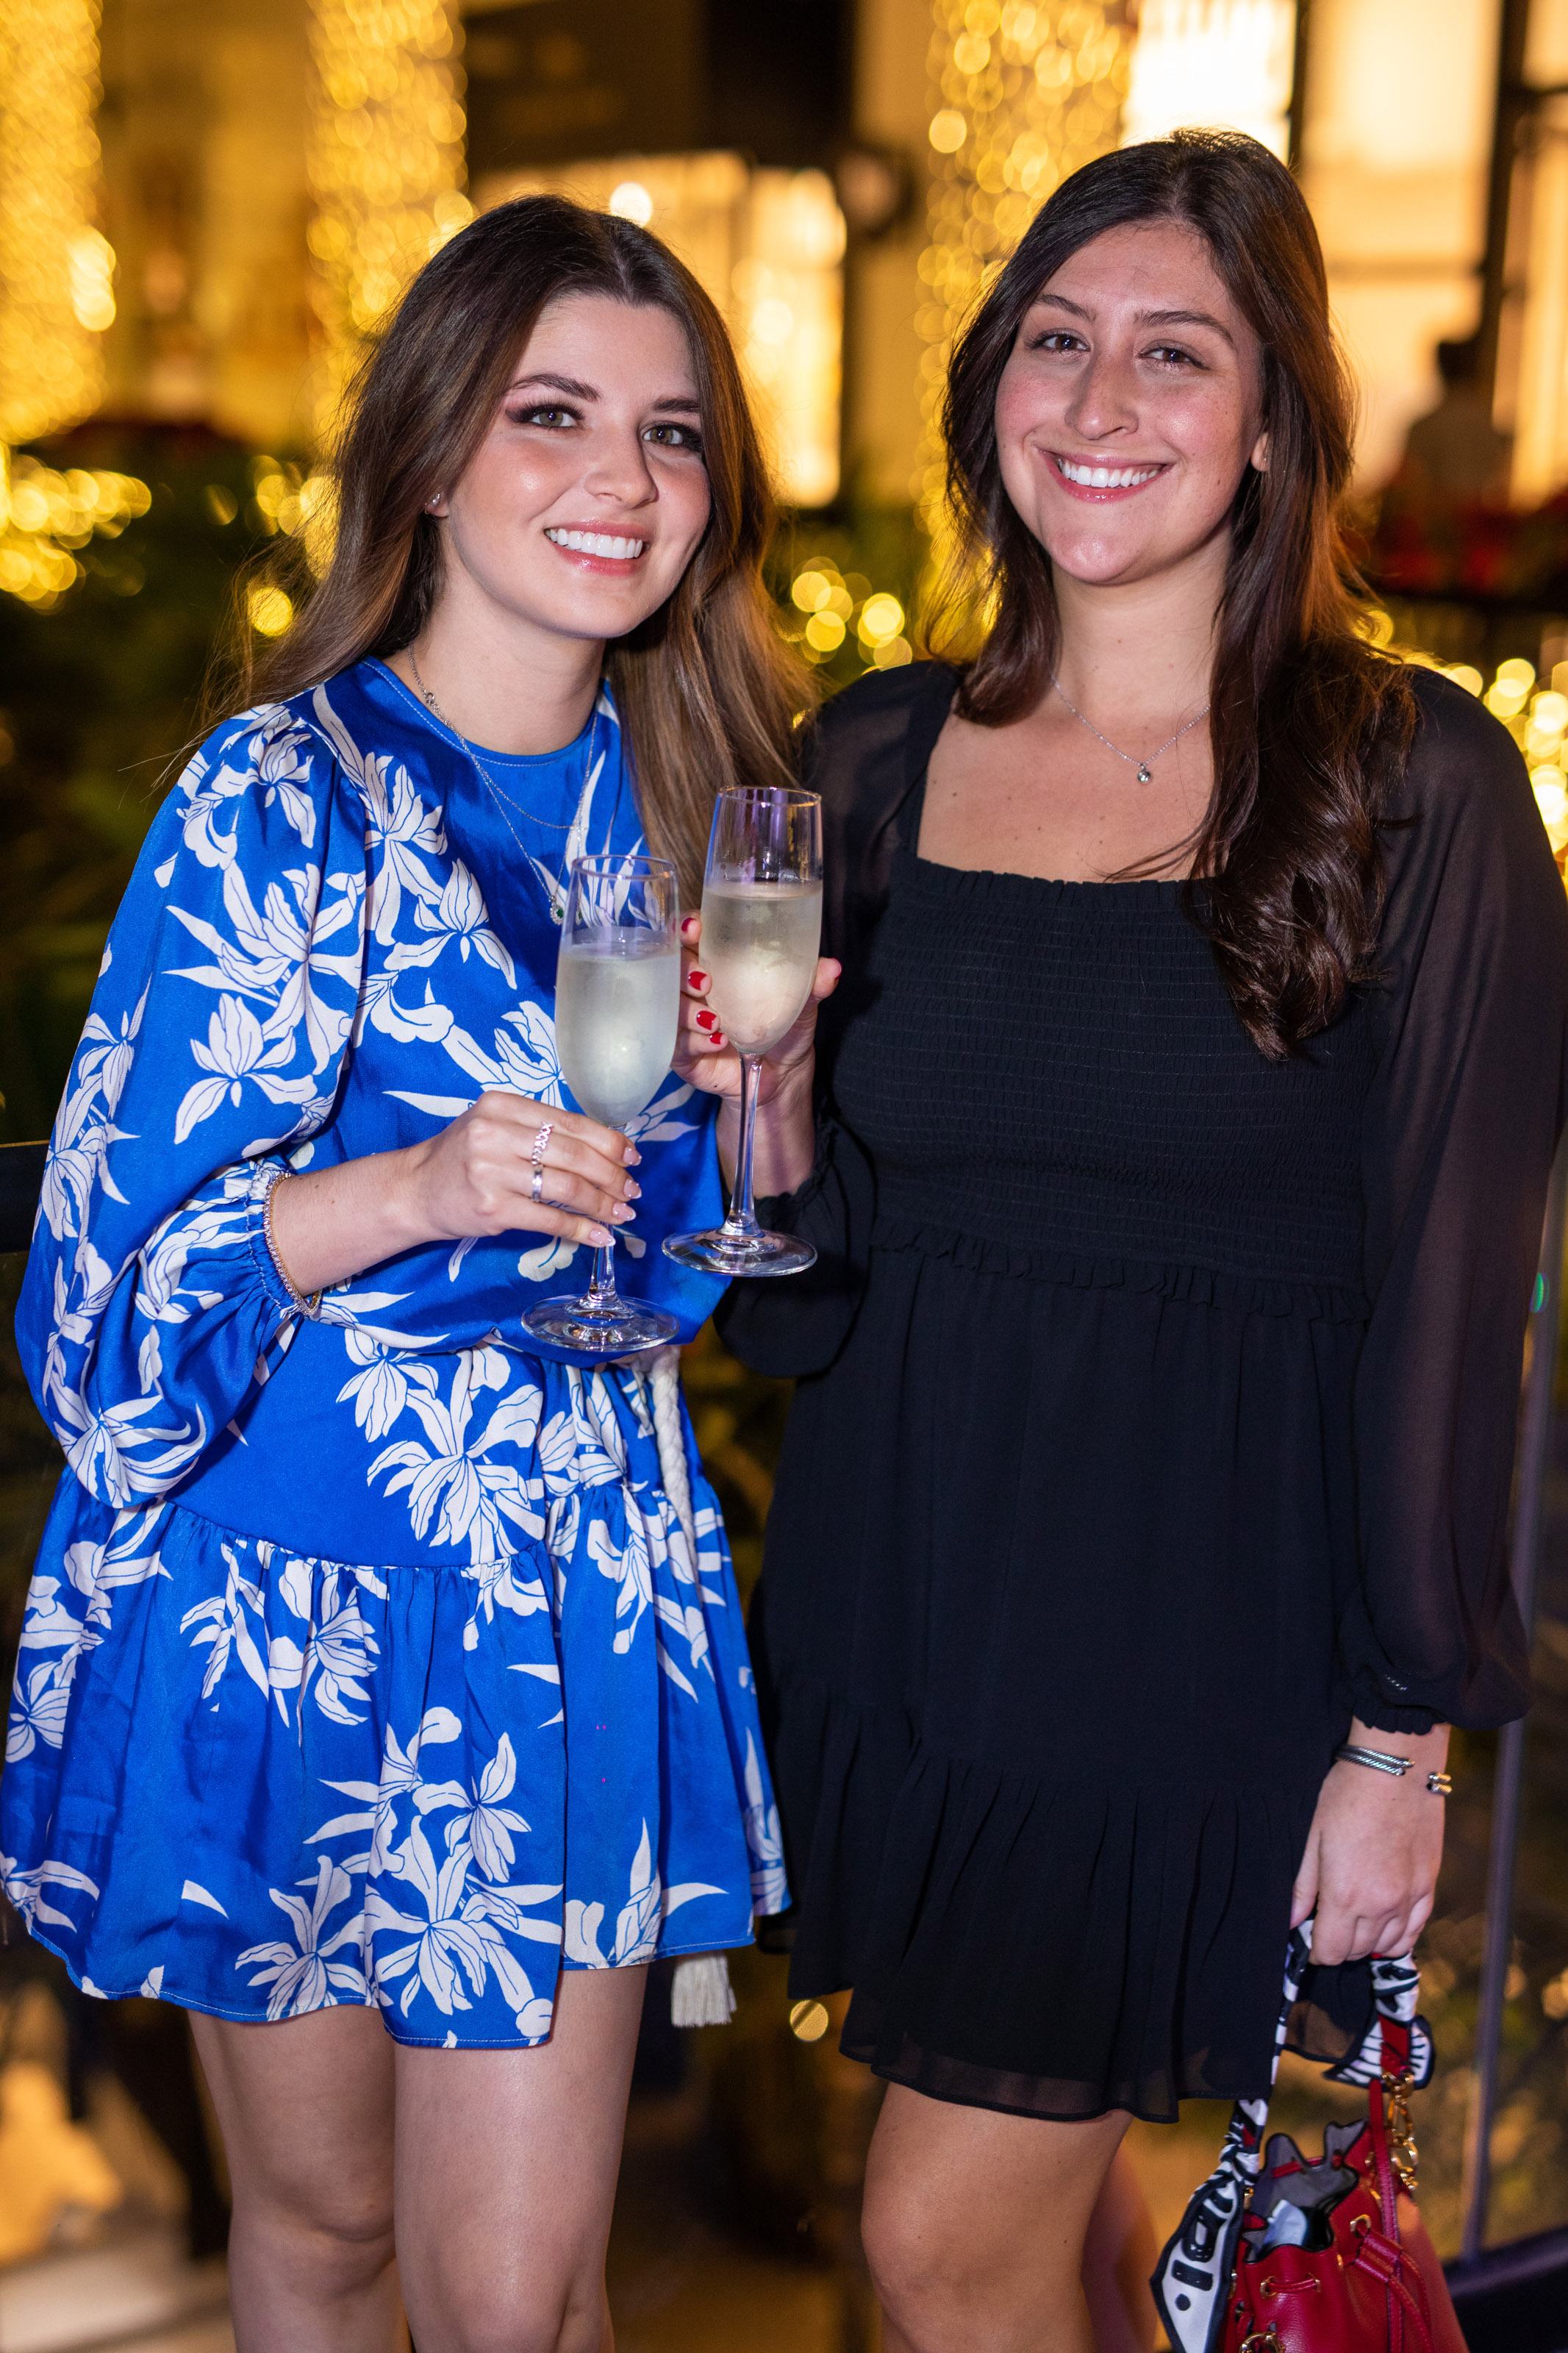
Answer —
500 798
1143 768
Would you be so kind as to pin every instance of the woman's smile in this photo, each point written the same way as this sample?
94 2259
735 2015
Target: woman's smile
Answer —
1092 478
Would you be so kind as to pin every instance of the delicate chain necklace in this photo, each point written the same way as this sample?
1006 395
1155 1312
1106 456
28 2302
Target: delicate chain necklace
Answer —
1143 768
500 798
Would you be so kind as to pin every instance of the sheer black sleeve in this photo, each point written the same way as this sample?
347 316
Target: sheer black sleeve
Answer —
865 754
1462 1123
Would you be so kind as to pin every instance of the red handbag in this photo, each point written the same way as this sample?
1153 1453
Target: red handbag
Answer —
1281 2253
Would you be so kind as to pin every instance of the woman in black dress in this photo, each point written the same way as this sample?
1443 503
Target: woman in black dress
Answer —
1175 1151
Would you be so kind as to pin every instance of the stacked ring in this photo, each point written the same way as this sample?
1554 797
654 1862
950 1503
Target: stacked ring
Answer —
539 1143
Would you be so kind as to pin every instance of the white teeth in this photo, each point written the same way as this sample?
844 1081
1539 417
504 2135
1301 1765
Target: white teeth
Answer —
1107 478
596 542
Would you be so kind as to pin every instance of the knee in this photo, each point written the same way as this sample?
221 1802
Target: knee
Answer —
487 2311
327 2246
925 2278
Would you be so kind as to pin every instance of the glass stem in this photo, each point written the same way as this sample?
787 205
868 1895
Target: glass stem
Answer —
743 1218
602 1281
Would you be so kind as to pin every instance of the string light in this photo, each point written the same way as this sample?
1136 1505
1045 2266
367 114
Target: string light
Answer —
56 270
386 168
45 517
1021 96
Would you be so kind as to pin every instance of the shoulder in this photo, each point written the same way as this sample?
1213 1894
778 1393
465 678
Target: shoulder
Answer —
1462 820
262 787
867 733
1460 755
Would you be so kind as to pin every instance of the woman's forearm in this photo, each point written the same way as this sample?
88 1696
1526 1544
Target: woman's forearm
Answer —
330 1224
785 1143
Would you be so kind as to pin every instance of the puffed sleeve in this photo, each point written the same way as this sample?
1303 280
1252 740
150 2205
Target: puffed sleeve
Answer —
1463 1118
216 1040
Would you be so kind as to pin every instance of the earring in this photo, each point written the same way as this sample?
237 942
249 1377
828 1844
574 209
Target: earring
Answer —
432 505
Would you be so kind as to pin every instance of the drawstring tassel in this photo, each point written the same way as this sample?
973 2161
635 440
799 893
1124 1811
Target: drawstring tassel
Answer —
701 1994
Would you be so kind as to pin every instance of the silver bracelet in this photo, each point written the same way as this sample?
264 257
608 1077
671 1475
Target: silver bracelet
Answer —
1378 1759
311 1305
1382 1760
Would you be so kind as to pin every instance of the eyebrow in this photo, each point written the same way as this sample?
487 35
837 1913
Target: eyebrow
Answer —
682 403
1149 318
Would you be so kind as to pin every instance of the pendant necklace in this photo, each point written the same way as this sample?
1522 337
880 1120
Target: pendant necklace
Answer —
550 824
1144 767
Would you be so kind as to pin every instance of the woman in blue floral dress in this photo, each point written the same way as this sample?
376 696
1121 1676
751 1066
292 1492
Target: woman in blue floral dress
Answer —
380 1671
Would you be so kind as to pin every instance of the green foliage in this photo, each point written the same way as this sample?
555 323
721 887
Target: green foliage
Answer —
98 700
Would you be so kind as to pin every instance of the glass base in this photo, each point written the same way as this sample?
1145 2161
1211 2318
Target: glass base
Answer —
607 1328
756 1252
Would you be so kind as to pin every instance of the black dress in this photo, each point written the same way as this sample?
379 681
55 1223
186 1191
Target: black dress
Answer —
1154 1413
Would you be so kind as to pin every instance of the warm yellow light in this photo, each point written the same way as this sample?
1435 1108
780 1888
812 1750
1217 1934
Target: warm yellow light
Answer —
893 653
1465 674
1504 701
808 2021
45 516
1516 675
811 591
385 167
56 296
1225 63
631 201
1023 96
1551 800
270 610
882 618
1549 711
825 630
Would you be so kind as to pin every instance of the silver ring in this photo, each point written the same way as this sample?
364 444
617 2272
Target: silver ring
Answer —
541 1143
537 1188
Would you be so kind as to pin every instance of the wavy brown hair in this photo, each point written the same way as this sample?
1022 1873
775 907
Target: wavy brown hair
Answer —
707 690
1310 724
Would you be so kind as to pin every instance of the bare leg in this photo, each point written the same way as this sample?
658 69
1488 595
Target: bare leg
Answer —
975 2223
305 2104
506 2178
1118 2257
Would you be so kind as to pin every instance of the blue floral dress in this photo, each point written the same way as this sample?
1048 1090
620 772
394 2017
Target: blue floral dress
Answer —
366 1659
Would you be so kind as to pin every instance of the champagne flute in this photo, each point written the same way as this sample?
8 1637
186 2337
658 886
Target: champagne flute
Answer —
762 928
618 1010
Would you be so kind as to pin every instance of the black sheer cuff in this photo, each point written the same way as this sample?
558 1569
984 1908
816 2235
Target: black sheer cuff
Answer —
1384 1715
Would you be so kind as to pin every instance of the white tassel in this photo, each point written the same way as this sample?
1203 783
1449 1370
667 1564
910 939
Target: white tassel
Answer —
700 1993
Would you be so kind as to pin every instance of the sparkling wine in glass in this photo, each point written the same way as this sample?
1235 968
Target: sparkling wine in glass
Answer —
761 930
618 1007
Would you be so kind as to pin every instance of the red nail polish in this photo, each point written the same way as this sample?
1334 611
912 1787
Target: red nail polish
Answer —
688 925
706 1020
696 979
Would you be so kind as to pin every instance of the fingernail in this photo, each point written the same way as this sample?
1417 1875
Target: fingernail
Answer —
688 925
633 1190
695 979
601 1236
622 1214
634 1157
706 1020
715 1036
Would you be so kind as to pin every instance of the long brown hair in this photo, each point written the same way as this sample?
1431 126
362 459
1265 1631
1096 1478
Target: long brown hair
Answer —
1310 724
707 690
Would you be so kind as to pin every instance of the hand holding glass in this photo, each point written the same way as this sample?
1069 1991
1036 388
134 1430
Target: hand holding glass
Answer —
762 928
618 1006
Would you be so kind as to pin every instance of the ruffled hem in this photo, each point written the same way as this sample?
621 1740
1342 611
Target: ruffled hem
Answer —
1047 1948
260 1783
1198 1286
